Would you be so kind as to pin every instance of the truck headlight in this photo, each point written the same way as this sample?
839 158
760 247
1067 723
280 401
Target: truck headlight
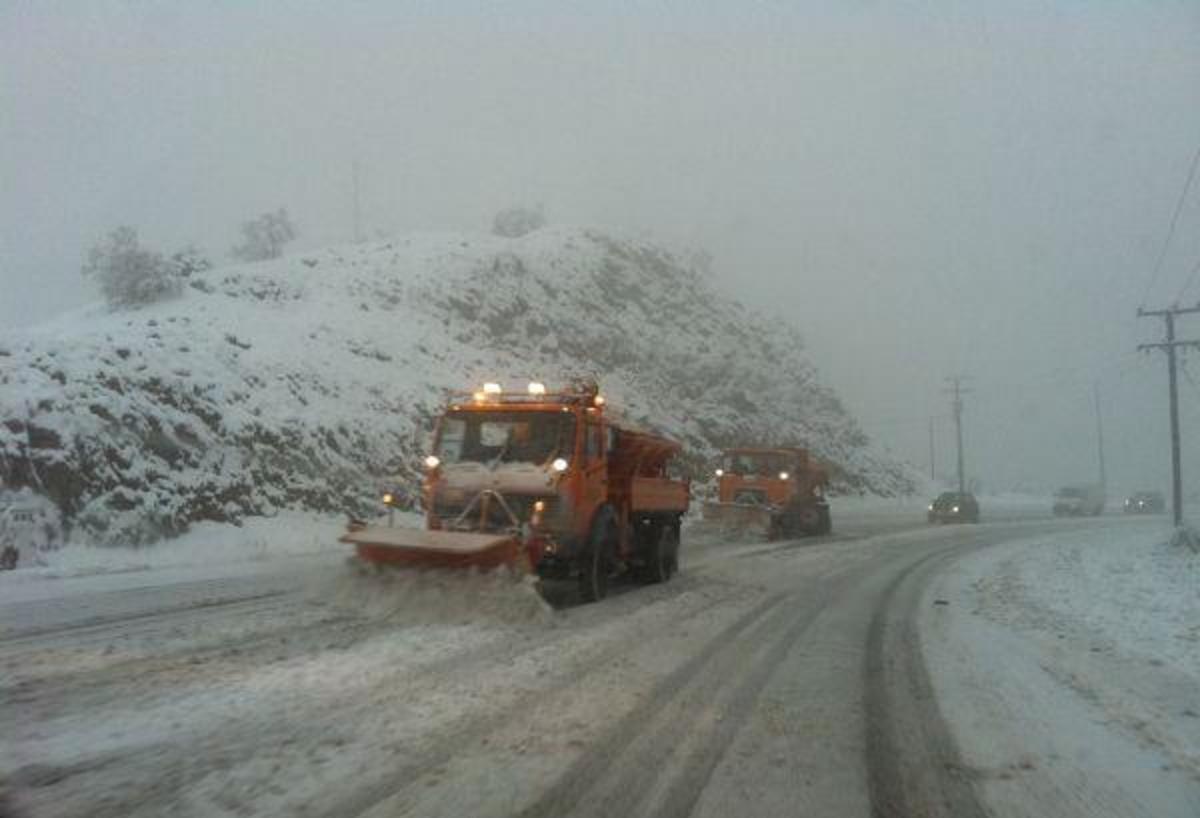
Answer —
432 461
559 464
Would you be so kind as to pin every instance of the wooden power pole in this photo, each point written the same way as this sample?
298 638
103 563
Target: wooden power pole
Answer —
957 392
1170 345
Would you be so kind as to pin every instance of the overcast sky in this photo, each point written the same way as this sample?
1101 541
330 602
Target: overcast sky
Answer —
925 188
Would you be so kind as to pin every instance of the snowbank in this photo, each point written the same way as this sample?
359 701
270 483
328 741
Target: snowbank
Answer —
1068 665
208 549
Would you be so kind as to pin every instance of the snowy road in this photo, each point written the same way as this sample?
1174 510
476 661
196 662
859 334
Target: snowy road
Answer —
767 679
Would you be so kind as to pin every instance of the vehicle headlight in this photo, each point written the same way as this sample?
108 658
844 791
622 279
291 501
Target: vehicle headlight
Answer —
931 506
955 509
720 472
783 475
432 461
559 464
388 499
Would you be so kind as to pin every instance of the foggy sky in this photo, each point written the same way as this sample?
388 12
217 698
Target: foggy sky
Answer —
924 188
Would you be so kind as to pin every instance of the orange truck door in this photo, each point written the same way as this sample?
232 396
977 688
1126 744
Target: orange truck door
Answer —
595 470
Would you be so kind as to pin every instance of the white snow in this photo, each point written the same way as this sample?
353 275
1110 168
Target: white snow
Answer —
1070 665
309 381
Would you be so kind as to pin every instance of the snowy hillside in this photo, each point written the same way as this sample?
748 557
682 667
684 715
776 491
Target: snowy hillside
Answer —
307 381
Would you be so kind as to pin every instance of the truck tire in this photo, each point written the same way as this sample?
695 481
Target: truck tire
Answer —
9 556
596 560
824 521
662 555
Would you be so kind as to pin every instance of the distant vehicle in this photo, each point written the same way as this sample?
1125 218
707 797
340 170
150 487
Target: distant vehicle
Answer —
20 526
1145 502
1079 501
953 507
780 491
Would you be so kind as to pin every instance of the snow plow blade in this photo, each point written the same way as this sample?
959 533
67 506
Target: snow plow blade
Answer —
416 548
750 518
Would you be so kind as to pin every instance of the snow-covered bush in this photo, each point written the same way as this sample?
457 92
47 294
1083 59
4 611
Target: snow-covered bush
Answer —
514 222
263 238
130 275
189 260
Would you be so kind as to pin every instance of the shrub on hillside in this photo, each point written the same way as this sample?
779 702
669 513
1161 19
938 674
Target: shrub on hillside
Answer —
128 274
515 222
263 238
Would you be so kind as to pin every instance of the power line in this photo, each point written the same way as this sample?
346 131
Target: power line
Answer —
1191 278
1162 254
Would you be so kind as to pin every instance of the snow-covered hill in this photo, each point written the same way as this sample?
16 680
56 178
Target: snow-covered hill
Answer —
305 382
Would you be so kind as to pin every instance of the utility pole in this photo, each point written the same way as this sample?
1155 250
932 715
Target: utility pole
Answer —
957 391
932 459
1100 436
1170 345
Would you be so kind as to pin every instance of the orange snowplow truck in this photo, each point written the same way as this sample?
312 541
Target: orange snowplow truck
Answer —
780 490
547 482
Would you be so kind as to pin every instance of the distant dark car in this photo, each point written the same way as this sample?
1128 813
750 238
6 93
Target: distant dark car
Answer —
952 507
1146 502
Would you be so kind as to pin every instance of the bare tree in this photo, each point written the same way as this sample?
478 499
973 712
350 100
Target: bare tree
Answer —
263 238
129 275
514 222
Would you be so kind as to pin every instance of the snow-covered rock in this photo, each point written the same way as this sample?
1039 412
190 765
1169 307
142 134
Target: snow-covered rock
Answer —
307 381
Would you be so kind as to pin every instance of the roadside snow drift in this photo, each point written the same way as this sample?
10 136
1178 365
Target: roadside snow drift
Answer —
1071 666
306 382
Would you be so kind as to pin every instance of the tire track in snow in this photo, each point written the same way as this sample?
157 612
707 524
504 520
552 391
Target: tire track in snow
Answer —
914 767
149 779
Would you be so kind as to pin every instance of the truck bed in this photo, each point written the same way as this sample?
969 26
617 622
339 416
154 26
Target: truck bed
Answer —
658 494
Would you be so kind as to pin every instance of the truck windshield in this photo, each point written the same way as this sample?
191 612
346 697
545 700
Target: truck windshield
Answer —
1070 492
506 437
758 465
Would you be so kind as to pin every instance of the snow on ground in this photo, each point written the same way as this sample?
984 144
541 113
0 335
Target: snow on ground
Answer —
1069 665
310 381
207 551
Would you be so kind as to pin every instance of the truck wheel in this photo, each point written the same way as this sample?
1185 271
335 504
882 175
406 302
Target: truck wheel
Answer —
824 521
775 528
593 574
661 555
8 558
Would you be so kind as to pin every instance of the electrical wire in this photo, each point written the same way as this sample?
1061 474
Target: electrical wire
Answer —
1162 254
1191 278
